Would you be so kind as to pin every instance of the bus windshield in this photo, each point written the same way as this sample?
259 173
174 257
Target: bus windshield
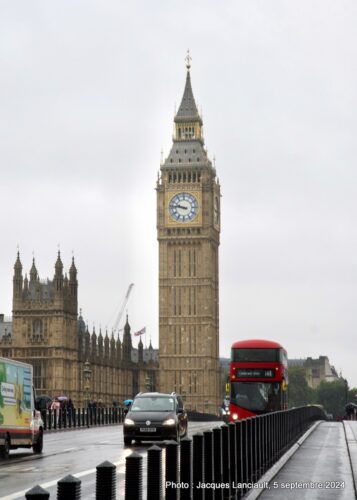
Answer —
256 396
255 355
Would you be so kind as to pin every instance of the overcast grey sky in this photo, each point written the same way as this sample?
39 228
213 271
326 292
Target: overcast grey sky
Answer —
87 97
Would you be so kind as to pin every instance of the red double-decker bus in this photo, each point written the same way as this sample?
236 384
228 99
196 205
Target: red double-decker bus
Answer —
258 378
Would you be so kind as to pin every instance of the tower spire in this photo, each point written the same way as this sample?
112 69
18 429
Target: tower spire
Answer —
188 60
188 110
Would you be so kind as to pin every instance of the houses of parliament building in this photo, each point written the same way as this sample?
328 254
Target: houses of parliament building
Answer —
48 332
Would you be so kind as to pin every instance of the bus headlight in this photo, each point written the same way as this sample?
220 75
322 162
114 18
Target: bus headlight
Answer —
235 416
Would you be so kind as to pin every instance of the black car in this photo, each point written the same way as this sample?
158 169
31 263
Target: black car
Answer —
154 416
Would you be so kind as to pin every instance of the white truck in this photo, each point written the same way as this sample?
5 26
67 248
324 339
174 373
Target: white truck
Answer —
20 424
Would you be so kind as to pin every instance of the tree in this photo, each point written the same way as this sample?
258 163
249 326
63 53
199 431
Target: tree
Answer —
299 393
332 396
352 395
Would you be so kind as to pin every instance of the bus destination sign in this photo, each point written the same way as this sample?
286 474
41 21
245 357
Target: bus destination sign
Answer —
255 373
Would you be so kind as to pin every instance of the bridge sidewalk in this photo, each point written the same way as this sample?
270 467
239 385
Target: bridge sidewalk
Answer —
322 465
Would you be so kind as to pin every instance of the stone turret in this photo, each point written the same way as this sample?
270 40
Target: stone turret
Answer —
140 351
17 280
58 277
127 344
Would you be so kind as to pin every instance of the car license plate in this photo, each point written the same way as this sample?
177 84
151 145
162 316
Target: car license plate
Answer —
147 429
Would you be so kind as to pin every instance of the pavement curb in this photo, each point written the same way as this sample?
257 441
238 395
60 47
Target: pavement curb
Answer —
273 471
352 452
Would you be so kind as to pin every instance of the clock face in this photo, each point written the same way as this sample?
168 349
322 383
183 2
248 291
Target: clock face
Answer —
183 207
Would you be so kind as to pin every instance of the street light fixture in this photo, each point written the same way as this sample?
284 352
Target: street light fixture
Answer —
148 383
87 373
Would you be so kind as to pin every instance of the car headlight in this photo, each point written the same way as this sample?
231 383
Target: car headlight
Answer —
169 421
129 421
235 416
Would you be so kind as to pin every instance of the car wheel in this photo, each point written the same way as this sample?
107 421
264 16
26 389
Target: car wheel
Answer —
5 449
127 441
38 446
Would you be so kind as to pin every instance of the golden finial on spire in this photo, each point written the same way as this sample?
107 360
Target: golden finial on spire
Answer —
188 60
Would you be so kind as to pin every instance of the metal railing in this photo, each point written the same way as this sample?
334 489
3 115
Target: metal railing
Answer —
81 417
222 463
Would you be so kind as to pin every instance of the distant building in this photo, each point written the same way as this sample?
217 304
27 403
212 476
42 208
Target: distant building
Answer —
5 327
316 370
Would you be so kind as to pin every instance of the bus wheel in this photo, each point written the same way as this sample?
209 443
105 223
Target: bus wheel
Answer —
5 449
38 446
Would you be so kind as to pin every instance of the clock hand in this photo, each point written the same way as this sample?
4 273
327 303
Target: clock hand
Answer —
180 206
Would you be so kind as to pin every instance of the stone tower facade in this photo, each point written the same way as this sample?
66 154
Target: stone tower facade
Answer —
45 324
188 231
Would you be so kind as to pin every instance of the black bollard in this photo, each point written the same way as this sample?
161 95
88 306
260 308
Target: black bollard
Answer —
217 462
253 423
244 447
37 493
106 481
208 462
134 477
172 471
249 450
239 458
69 488
186 469
258 436
154 471
225 461
232 456
198 475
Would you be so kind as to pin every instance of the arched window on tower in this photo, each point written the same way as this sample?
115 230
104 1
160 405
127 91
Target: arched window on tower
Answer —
37 329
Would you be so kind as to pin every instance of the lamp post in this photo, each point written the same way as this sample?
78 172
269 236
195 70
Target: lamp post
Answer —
87 372
148 383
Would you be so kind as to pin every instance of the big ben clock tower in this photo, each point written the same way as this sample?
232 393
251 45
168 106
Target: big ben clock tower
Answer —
188 228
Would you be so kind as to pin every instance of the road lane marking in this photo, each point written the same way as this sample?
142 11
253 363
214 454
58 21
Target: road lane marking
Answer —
49 484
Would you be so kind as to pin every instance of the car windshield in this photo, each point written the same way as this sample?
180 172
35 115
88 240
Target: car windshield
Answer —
153 403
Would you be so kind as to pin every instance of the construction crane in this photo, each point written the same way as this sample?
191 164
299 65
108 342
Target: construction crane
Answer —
120 314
